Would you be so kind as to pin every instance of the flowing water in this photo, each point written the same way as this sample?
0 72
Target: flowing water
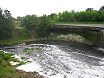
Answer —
65 61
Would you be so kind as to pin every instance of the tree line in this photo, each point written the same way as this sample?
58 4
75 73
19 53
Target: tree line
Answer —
89 15
34 25
37 26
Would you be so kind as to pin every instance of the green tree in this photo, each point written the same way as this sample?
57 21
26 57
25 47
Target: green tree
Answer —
44 23
89 9
54 17
19 18
37 25
6 24
101 9
72 16
67 16
30 22
101 14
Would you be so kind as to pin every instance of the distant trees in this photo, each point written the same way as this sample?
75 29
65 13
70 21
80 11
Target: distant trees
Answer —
89 15
6 24
44 23
67 16
30 22
101 9
36 25
89 9
39 25
19 18
53 17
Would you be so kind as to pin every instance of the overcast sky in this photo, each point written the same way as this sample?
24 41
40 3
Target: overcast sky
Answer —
40 7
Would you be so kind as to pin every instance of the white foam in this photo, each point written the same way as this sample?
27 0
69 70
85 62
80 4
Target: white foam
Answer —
16 56
30 59
102 49
76 68
13 63
4 51
57 76
30 67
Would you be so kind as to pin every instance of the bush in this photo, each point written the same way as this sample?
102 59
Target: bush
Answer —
1 53
6 57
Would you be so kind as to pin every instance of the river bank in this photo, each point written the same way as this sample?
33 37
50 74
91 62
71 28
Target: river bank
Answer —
51 39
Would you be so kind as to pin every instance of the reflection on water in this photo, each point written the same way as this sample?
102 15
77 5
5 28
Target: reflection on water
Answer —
57 61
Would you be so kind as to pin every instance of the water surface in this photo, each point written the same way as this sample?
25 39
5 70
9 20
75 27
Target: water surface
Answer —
65 61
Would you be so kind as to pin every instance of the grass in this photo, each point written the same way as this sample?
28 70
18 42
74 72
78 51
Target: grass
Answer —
13 41
6 70
11 72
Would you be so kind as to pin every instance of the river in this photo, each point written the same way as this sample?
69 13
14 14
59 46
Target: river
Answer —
65 61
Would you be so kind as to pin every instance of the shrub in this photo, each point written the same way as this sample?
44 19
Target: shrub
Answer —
6 57
1 53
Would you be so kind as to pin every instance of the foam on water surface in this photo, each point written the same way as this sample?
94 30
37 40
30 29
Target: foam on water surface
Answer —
56 63
30 67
